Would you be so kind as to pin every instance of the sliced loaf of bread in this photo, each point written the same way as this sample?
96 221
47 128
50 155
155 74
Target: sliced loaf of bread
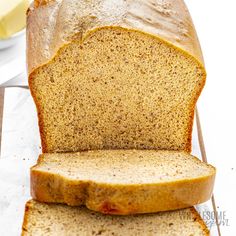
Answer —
114 74
123 181
58 220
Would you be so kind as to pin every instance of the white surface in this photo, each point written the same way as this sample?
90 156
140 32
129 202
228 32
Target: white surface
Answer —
13 61
18 81
20 149
215 22
6 43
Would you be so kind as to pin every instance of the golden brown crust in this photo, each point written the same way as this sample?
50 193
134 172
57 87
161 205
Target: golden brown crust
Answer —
120 199
192 109
100 197
28 205
40 120
200 221
51 27
38 3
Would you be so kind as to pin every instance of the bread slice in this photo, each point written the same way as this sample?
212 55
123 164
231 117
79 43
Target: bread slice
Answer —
114 74
123 181
53 219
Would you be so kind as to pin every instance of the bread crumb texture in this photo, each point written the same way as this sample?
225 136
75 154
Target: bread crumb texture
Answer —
114 74
117 89
51 219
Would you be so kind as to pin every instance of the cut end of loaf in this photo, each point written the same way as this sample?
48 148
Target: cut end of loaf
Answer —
125 166
117 88
51 219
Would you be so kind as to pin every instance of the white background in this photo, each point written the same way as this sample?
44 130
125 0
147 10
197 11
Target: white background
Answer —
215 22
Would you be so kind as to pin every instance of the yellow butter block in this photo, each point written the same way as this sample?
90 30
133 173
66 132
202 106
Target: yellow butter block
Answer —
12 16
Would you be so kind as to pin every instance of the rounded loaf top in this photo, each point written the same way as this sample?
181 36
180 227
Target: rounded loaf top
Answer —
54 23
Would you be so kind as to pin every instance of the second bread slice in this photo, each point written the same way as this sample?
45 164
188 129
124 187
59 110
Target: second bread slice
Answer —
123 181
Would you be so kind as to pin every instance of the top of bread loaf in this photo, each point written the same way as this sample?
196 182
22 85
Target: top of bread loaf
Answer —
53 23
110 74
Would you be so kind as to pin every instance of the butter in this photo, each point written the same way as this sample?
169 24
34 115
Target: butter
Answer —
12 16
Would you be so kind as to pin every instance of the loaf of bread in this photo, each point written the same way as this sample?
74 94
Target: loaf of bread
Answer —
58 220
123 182
113 74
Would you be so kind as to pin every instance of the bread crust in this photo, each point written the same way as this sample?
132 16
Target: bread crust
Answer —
120 198
50 28
28 207
200 221
38 3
